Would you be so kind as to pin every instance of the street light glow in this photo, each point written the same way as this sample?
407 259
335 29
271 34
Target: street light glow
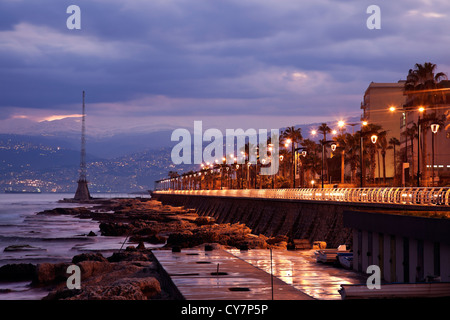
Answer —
421 109
374 138
333 147
391 108
341 124
434 127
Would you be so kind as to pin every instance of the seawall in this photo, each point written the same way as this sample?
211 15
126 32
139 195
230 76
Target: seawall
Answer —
312 220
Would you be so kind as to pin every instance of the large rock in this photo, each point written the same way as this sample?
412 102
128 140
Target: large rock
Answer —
81 212
93 268
89 257
22 247
50 272
18 272
115 229
123 289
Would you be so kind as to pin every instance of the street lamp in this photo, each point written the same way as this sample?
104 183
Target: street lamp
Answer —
434 129
290 142
361 158
421 110
304 153
374 138
333 147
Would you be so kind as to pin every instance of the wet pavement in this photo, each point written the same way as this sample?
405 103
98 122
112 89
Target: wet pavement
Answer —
194 272
246 275
300 269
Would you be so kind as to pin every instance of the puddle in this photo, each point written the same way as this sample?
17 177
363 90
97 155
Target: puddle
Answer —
300 269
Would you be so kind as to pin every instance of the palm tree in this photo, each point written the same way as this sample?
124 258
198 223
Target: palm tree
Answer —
312 162
410 133
393 142
370 148
324 129
295 135
341 146
420 87
250 149
174 175
384 146
348 145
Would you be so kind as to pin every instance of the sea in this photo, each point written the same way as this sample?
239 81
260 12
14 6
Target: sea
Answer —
26 237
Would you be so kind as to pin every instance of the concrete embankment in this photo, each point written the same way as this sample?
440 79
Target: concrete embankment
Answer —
312 220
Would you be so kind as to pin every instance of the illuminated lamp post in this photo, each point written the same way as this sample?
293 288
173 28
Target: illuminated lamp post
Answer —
434 129
304 153
420 110
333 147
361 158
374 139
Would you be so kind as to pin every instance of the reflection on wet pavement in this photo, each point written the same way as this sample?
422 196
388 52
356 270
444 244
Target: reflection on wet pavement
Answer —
300 269
239 280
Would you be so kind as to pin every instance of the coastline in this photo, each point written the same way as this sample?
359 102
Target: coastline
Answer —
132 272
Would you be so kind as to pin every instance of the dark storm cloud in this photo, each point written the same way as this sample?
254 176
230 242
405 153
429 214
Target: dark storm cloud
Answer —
204 57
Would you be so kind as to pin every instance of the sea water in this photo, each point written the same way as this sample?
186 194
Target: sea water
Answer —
32 238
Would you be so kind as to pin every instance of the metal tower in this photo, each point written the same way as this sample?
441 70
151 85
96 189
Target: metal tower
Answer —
82 192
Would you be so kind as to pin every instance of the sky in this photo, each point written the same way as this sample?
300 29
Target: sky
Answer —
161 64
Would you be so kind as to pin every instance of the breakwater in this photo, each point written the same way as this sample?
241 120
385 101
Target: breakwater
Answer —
313 220
310 220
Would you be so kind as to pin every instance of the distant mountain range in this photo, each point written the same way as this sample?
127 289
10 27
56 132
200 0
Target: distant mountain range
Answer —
122 162
125 163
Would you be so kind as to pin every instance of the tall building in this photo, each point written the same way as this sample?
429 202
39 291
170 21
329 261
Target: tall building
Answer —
378 98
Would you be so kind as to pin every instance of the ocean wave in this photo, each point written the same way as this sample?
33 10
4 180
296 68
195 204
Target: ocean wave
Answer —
39 239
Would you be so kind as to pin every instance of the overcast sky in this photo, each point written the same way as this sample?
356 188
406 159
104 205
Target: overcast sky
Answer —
162 64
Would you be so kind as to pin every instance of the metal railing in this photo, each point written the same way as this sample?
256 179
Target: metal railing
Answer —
405 196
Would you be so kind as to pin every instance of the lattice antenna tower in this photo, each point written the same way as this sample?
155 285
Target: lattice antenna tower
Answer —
82 177
82 192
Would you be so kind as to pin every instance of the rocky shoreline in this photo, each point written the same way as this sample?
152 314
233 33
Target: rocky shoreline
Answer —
133 273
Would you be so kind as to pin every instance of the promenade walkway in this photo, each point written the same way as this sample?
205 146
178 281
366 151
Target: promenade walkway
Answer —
193 273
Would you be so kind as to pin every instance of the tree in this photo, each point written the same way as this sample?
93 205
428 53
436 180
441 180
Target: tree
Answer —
295 135
174 175
394 142
341 147
348 145
420 87
410 133
324 129
312 162
250 149
384 146
371 148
